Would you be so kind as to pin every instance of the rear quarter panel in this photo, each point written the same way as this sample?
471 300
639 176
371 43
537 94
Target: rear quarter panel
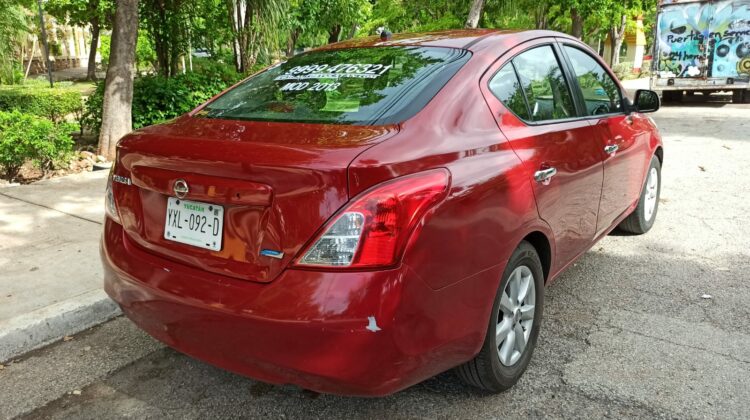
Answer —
463 244
490 201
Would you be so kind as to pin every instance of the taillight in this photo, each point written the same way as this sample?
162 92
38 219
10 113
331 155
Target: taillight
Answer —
110 206
374 228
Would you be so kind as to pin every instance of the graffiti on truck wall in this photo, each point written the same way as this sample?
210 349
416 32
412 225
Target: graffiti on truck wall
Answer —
705 39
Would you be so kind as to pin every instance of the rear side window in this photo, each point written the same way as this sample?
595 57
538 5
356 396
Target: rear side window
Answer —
600 92
363 86
542 84
507 88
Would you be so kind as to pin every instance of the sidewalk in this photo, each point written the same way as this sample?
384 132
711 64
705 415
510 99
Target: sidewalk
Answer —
50 274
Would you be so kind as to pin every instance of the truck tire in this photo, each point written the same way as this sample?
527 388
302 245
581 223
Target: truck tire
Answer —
672 96
738 96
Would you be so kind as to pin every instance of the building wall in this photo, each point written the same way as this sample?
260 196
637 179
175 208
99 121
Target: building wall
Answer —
72 49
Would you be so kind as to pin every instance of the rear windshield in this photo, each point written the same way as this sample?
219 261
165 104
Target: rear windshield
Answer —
362 86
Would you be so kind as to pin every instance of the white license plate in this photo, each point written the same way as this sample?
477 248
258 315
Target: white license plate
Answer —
194 223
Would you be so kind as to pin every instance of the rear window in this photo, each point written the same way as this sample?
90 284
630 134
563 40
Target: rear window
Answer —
362 86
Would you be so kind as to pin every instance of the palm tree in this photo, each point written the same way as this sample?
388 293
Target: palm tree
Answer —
254 25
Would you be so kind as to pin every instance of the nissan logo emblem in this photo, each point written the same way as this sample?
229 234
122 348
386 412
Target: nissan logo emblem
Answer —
180 188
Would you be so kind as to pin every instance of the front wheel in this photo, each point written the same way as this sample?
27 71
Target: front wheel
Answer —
644 215
513 326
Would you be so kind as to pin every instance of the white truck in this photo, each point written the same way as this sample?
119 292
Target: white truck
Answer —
702 46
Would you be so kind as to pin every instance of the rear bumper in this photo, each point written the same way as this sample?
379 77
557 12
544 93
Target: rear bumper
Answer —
370 333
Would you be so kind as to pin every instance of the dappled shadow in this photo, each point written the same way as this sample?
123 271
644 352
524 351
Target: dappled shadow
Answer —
49 244
587 299
723 122
700 100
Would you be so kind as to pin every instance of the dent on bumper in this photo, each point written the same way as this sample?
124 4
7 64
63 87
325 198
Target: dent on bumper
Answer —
370 333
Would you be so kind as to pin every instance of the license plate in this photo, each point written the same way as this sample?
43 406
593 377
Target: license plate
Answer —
194 223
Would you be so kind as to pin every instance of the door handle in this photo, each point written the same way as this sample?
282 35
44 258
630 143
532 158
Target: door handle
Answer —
544 176
611 149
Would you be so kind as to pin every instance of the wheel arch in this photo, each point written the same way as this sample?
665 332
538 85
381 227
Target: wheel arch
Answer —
659 153
543 247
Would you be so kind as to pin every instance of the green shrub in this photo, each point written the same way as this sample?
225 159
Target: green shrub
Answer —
11 73
157 98
25 137
54 103
623 70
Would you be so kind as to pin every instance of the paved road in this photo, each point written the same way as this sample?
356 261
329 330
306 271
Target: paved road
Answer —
629 331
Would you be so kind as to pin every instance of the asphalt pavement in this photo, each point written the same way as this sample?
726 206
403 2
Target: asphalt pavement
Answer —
640 327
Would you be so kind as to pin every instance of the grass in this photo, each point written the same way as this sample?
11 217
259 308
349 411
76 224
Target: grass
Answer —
85 88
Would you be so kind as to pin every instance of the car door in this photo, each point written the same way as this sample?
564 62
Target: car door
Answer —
623 147
531 99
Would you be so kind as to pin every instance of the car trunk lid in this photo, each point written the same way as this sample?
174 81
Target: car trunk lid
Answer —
277 182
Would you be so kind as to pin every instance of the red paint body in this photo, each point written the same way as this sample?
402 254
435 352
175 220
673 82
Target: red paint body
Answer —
264 318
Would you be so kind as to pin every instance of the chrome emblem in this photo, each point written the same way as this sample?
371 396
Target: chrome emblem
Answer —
180 188
122 179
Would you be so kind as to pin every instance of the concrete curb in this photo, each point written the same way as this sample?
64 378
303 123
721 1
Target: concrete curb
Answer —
36 329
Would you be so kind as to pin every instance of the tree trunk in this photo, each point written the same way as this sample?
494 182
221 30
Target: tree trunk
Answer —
616 36
162 57
174 58
334 33
232 9
118 86
353 31
91 68
540 15
291 42
576 27
475 13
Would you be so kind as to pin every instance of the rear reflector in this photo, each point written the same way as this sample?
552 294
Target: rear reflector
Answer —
110 206
374 228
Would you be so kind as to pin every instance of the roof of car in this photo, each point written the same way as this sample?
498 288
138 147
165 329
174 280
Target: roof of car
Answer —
470 39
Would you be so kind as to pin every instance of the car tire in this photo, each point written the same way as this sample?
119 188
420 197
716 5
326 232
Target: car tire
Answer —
495 368
642 218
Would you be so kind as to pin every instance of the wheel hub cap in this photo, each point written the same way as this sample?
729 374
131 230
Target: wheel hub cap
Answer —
516 316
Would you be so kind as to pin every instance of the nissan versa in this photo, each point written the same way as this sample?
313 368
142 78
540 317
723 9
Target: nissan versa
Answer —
367 215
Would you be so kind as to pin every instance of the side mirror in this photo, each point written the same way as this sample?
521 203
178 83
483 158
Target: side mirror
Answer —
646 101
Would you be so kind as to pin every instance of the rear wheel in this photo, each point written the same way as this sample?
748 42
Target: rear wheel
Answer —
644 215
672 96
741 96
513 326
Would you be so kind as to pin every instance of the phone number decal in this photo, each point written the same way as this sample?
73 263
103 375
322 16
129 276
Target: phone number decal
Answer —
324 71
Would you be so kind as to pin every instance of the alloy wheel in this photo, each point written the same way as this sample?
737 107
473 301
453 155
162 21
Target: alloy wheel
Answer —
516 316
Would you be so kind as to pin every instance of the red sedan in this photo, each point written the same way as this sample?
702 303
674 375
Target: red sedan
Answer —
364 216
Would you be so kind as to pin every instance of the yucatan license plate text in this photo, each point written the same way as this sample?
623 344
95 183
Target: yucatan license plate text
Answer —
194 223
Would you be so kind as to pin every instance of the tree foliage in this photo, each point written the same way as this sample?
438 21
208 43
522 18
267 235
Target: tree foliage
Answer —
244 34
13 27
97 14
81 12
